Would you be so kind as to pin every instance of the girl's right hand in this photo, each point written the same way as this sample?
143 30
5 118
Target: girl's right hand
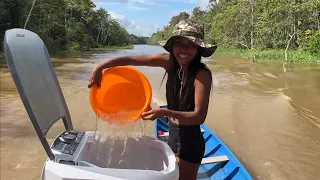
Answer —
95 78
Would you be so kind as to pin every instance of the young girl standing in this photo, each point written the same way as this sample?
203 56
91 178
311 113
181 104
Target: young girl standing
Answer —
187 91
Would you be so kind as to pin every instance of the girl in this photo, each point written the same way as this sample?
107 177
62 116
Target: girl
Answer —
187 92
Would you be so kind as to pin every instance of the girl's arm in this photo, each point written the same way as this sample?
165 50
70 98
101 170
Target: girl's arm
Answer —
203 83
154 60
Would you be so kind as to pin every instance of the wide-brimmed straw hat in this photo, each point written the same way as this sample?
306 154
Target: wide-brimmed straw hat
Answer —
192 31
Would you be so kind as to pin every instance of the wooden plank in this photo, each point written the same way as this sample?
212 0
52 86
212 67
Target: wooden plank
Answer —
167 133
214 159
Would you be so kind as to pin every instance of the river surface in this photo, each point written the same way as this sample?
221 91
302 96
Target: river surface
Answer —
267 113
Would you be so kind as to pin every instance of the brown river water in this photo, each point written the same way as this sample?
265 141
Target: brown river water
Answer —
268 116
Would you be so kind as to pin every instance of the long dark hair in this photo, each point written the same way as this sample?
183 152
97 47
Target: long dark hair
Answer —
185 102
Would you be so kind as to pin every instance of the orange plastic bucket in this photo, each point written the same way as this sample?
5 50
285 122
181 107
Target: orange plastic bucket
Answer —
124 94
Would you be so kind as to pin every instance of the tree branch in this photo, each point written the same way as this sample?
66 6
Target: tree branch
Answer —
253 57
25 24
288 43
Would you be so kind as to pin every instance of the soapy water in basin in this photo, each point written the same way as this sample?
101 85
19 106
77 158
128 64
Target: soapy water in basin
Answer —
125 147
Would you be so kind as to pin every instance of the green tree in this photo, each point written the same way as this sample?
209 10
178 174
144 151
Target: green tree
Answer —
179 17
64 24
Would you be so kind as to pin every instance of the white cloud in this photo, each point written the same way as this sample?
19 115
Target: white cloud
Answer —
134 3
139 28
143 28
116 16
201 3
130 5
136 8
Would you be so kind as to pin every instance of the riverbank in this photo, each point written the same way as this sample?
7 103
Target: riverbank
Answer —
273 54
101 48
105 48
65 53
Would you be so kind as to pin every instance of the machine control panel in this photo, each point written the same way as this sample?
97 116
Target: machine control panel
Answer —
68 142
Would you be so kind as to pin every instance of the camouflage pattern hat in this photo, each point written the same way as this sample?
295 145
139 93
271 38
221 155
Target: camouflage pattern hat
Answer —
195 33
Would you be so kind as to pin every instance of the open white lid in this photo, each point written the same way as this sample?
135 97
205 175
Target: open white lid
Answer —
34 76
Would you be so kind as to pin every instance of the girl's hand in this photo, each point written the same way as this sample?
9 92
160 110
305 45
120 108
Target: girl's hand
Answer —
153 114
95 78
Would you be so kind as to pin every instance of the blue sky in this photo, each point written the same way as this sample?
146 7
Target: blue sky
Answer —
144 17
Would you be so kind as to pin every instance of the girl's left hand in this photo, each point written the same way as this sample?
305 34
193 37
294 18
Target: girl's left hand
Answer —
152 114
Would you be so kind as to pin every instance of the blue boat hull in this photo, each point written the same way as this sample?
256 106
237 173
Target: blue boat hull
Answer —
230 169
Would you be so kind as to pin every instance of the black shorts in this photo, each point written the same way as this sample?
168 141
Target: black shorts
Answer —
186 142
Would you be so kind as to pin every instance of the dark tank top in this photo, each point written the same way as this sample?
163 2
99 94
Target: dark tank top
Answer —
186 142
186 103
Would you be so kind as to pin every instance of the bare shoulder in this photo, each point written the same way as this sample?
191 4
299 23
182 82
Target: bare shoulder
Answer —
204 76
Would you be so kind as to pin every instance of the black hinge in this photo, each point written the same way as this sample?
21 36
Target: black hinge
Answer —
67 162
